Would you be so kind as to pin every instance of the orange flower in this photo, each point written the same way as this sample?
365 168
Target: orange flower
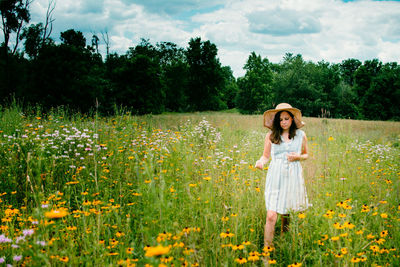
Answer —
56 214
156 251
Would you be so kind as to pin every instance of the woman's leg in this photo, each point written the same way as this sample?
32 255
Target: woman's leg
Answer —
270 227
285 218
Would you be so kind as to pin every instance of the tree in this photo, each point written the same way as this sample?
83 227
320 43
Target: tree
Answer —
68 74
14 14
255 93
205 76
73 38
33 39
174 76
230 88
378 89
347 69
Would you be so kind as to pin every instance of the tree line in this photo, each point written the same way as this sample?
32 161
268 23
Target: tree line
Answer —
154 78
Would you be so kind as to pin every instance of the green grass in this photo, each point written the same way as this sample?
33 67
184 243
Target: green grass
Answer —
187 182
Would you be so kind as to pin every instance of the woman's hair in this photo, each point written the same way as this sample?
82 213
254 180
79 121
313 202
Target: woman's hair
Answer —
277 129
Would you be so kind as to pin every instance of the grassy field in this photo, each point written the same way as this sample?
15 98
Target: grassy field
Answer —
182 190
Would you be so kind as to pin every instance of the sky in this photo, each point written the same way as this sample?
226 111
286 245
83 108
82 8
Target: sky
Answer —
329 30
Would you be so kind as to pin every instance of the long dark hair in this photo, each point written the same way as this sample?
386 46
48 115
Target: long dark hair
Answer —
277 129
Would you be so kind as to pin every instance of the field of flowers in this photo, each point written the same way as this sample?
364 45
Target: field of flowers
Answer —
182 190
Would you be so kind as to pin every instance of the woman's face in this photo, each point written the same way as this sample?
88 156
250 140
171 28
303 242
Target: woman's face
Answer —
285 120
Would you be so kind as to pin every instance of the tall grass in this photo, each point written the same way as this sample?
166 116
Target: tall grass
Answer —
181 189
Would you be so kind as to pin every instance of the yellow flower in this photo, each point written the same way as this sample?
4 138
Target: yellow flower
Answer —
241 260
355 259
129 250
370 236
225 219
237 247
384 215
226 234
253 258
301 215
335 238
64 259
374 248
268 249
156 251
384 233
56 214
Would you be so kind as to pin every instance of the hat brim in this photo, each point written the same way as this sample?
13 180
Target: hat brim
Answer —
269 116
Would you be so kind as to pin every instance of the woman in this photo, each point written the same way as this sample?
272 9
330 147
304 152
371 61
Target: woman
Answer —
287 146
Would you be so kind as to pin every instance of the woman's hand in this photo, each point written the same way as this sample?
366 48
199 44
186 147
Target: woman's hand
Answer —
293 156
259 165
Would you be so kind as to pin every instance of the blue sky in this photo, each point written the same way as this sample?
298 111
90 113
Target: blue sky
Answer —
330 30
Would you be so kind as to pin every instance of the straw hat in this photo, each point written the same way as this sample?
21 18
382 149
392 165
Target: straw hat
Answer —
269 115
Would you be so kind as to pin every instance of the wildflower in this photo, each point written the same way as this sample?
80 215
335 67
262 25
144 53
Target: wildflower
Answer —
166 259
64 259
344 251
41 243
335 238
329 214
28 232
374 248
355 260
295 264
129 250
365 208
56 214
224 219
384 215
370 236
253 258
268 249
226 234
156 251
241 260
272 261
17 258
2 260
237 247
4 239
301 215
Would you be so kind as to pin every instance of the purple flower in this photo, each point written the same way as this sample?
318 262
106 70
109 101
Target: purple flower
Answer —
17 257
28 232
4 239
19 238
42 243
2 260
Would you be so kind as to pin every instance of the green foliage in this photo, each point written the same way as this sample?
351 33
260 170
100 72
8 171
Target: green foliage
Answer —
205 76
255 91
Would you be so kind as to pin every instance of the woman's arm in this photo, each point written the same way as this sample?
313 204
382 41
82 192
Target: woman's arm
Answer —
266 153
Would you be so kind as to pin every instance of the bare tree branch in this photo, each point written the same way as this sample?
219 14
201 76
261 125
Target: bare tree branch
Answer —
49 20
106 40
20 24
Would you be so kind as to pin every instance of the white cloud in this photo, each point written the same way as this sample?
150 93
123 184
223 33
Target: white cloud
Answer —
329 30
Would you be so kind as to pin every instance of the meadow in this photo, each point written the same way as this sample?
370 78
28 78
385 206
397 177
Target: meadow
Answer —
182 190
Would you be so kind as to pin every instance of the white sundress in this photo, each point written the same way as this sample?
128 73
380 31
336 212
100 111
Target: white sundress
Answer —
284 186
